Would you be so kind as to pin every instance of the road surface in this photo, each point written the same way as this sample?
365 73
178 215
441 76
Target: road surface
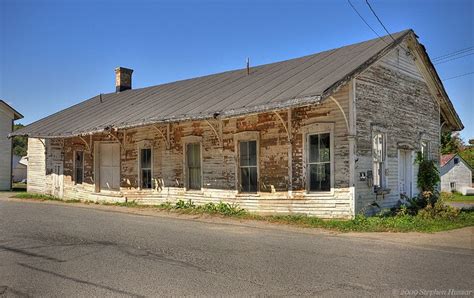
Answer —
57 249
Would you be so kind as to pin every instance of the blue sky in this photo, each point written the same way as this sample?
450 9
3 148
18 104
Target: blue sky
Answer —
54 54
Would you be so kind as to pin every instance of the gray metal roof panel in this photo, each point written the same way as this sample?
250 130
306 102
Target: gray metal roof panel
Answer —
281 84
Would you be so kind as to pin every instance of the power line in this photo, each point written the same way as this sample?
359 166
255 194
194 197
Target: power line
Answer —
461 75
362 18
385 28
459 52
371 9
455 58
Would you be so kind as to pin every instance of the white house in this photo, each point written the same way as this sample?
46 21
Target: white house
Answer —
7 116
456 174
20 164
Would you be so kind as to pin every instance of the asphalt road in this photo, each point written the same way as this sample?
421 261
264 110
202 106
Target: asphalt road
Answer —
67 250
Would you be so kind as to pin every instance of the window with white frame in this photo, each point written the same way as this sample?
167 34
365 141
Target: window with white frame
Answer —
319 162
248 166
79 167
425 150
378 153
146 168
193 166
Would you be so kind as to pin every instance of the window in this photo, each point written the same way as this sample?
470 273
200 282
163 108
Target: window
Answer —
145 168
456 160
79 166
378 153
248 166
452 185
319 162
425 150
193 165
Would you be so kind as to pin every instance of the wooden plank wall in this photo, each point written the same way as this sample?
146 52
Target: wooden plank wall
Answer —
219 163
393 95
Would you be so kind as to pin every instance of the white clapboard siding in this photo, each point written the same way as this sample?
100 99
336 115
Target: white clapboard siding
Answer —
5 148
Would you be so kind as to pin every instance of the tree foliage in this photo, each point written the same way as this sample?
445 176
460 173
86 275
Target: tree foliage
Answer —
20 143
451 143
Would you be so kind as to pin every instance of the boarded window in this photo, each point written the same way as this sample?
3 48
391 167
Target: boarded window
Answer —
145 168
193 164
378 155
109 166
79 167
248 166
319 162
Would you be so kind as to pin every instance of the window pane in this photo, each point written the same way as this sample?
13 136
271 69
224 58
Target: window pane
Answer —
253 179
248 179
146 178
244 154
378 147
145 158
78 165
313 148
324 147
252 146
194 165
320 177
79 175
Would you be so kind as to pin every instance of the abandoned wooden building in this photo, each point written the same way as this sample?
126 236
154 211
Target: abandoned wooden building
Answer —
326 134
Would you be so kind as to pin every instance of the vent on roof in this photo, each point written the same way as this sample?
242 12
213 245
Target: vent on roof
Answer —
123 79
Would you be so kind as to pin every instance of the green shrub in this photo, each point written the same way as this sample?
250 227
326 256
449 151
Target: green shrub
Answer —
428 174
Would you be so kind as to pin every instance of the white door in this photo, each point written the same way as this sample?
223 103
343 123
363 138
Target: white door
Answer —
58 179
405 172
109 166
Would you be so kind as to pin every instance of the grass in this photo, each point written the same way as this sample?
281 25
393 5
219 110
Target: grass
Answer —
457 197
379 223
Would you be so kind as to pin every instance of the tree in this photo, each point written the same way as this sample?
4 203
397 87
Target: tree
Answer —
451 143
20 143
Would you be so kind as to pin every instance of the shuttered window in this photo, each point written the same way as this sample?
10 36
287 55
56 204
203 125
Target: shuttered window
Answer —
248 166
319 162
193 165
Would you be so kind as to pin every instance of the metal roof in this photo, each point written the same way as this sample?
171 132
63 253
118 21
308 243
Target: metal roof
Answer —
272 86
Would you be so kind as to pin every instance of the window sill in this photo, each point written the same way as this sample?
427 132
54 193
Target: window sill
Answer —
247 194
194 192
319 194
381 191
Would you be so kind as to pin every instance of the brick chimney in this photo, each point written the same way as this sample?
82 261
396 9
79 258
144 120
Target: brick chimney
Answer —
123 79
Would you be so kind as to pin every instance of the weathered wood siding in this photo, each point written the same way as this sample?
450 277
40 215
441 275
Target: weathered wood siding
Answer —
6 118
36 173
392 96
219 162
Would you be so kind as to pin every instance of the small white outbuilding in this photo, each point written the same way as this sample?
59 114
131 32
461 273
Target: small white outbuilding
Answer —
456 174
7 116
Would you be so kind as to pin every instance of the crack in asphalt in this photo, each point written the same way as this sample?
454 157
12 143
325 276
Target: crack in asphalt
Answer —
85 282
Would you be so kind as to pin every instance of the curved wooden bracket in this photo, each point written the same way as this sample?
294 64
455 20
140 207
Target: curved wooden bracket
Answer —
217 134
88 147
165 137
285 125
117 139
343 113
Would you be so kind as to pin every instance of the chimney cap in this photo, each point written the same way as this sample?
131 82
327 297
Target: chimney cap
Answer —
125 69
